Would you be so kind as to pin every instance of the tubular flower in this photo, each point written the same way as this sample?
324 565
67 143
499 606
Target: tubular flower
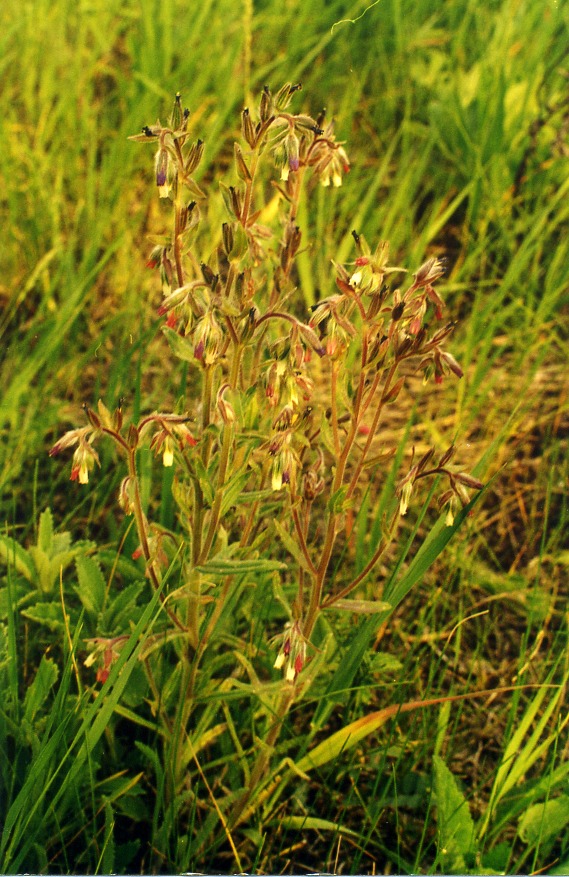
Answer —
84 457
105 652
171 434
162 171
292 653
329 158
292 156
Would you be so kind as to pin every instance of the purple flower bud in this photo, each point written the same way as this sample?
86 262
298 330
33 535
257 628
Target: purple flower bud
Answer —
199 350
161 167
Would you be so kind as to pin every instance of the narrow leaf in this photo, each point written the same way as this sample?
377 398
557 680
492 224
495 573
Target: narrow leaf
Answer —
291 545
362 607
217 567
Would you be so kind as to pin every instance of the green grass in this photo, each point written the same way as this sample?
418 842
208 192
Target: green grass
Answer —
453 115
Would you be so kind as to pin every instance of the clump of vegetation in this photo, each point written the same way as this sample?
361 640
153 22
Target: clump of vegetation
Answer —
276 445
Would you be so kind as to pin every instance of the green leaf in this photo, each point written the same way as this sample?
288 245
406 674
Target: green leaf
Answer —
352 657
106 861
455 824
43 570
385 663
233 490
291 544
546 821
432 547
221 567
37 692
60 543
205 479
48 614
92 586
300 823
45 532
344 739
181 347
17 557
336 503
362 607
560 870
122 609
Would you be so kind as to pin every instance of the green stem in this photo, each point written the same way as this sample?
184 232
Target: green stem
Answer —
142 530
329 601
285 702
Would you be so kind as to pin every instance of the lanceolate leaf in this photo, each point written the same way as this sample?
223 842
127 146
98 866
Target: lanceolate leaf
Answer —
92 586
17 558
361 607
353 734
230 567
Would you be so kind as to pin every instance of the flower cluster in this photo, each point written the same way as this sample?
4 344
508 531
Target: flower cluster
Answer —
292 653
459 483
269 442
105 652
84 457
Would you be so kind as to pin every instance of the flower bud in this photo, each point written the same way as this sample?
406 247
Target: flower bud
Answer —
176 116
265 106
243 171
126 496
292 148
285 94
469 481
93 418
247 128
224 407
405 496
430 271
161 168
194 156
154 257
453 365
235 200
132 436
228 237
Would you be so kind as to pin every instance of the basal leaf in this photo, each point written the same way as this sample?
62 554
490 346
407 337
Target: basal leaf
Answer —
455 824
37 692
45 532
546 821
16 557
48 614
92 586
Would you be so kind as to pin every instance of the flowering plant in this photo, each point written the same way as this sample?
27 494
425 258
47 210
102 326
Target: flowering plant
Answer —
280 436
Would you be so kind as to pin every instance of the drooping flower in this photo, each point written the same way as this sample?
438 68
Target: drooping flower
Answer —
172 432
292 653
105 651
84 457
